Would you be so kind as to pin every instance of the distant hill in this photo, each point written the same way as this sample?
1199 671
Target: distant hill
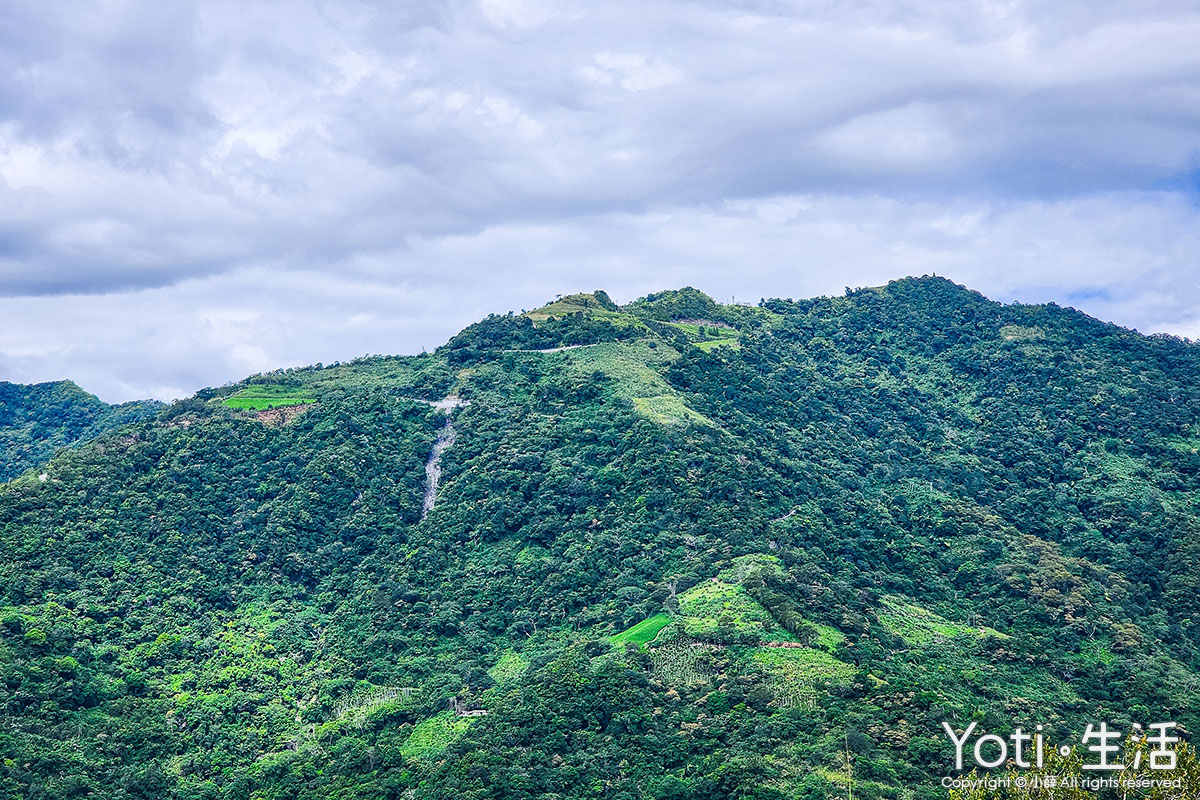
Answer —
669 550
39 419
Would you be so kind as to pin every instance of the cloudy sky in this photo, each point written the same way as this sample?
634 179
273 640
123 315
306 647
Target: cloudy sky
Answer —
193 192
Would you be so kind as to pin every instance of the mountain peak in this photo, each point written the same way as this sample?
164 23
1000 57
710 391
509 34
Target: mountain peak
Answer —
579 303
685 303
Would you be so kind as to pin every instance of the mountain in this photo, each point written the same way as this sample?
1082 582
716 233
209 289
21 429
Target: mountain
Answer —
672 549
38 420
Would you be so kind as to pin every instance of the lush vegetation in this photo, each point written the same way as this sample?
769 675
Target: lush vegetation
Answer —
38 420
663 569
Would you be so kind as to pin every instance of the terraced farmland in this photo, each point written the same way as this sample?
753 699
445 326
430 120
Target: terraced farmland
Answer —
264 396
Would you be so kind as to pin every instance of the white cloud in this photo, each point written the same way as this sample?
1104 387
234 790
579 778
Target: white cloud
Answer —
504 113
521 13
899 139
631 71
746 22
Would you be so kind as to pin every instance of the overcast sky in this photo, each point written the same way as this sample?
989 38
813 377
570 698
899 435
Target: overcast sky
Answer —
193 192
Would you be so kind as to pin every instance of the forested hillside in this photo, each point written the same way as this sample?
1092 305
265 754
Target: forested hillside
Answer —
677 550
38 420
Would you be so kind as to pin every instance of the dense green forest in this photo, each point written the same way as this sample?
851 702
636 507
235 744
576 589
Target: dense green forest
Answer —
38 420
676 550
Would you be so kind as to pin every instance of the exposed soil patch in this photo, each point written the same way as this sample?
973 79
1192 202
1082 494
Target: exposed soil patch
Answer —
708 323
282 415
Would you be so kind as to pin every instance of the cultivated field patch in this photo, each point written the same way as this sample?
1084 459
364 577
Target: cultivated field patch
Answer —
643 632
919 626
260 397
709 608
795 676
431 736
509 668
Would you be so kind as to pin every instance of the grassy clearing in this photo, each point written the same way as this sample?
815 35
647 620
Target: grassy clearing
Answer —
585 304
712 330
431 736
1095 654
669 410
531 555
633 368
509 668
692 329
261 397
707 337
644 632
704 607
582 303
919 626
712 344
801 664
828 637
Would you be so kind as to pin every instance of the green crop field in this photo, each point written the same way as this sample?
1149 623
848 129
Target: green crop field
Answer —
702 608
794 675
801 664
678 659
919 626
644 631
509 668
431 736
260 397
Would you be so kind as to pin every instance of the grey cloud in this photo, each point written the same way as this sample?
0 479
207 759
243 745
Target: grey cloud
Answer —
303 134
1105 255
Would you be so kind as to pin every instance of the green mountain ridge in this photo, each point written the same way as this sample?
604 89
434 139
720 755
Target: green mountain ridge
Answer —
678 549
36 420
